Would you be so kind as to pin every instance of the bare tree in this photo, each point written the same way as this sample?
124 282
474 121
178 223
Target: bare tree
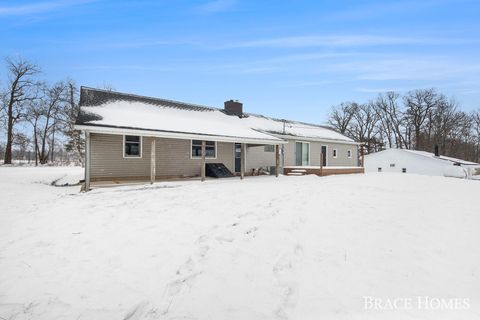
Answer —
34 115
341 116
445 119
51 102
16 96
22 141
476 129
425 118
75 140
419 105
392 119
364 125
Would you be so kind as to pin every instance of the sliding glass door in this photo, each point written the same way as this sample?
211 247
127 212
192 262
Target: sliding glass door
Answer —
302 153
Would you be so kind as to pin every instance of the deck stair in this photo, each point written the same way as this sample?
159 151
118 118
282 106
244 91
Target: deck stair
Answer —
297 172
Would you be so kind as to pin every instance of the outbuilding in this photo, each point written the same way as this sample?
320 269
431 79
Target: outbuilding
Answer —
418 162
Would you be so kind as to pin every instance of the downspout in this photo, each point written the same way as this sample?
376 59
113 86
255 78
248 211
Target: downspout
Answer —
87 161
283 146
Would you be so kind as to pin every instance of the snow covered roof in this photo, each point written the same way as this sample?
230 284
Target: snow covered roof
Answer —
293 128
114 110
424 154
432 155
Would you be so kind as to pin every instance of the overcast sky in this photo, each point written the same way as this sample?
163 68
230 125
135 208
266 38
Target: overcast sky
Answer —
289 59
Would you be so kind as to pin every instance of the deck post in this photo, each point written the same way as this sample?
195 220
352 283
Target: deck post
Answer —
152 162
277 159
87 161
242 161
362 152
204 147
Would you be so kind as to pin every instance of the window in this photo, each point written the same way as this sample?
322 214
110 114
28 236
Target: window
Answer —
210 149
269 148
132 147
349 153
302 153
404 170
334 153
392 165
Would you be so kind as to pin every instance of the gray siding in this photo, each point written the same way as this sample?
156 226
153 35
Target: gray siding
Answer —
315 148
258 158
172 157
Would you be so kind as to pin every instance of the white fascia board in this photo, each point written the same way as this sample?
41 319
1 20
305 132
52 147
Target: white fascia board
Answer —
177 135
300 138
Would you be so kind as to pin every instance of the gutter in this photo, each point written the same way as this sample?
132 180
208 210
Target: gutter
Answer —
176 135
313 139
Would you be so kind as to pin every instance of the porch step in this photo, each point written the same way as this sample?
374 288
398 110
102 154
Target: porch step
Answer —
295 173
299 171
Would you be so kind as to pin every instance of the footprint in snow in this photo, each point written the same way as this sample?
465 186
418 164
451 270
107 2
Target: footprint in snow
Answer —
138 311
252 232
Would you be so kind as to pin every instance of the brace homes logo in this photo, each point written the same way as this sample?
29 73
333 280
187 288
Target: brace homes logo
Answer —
417 302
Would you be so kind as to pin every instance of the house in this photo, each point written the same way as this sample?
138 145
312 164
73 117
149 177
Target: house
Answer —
131 137
418 162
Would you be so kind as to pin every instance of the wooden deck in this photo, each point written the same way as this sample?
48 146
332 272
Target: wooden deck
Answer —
324 171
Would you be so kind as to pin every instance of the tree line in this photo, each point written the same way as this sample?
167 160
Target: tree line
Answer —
420 120
38 120
38 117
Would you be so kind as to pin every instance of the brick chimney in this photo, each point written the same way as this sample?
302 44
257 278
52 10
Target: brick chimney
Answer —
234 108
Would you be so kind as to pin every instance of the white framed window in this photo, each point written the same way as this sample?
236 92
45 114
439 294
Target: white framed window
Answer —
210 149
132 146
269 148
302 153
335 153
349 153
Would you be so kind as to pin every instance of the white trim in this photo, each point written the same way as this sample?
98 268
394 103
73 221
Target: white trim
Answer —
246 158
335 153
206 158
177 135
349 153
88 160
141 147
309 155
317 167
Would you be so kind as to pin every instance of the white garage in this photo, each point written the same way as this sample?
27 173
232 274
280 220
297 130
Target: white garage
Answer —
418 162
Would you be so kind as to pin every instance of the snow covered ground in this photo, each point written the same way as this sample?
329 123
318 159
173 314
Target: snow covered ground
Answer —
263 248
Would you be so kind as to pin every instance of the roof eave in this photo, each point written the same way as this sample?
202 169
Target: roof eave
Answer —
174 135
313 139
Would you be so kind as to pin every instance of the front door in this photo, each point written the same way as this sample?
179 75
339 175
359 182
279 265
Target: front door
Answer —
238 157
324 156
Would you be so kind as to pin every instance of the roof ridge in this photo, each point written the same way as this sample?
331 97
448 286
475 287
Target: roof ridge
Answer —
132 95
